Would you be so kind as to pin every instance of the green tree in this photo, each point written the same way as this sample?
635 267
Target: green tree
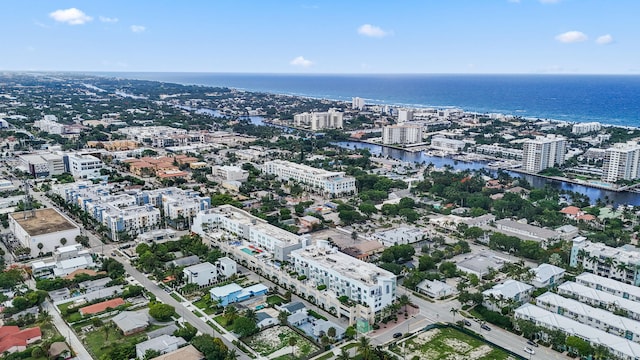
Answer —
282 317
161 312
244 327
186 332
582 347
292 342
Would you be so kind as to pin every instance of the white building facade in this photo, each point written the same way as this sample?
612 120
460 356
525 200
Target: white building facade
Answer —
331 119
621 162
402 134
543 152
331 183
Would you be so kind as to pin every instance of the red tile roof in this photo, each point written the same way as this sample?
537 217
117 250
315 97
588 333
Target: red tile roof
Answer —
100 307
12 336
571 210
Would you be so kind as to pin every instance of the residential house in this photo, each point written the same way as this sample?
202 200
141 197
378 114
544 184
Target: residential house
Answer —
509 293
101 306
265 319
12 339
188 352
233 293
131 322
203 274
163 344
435 289
547 275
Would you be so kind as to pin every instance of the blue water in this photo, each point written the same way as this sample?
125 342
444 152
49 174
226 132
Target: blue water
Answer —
609 99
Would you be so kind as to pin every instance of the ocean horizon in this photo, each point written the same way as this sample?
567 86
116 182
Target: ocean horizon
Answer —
608 99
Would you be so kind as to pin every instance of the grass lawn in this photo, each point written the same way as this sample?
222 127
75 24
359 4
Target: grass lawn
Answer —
223 322
275 338
176 297
448 343
274 300
326 356
100 341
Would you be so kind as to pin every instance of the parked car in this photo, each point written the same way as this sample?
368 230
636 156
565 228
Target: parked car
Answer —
466 322
485 327
397 335
529 350
532 343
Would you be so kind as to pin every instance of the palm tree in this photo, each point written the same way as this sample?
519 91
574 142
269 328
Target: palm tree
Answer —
282 317
232 355
344 354
251 315
292 343
230 314
453 312
364 348
404 301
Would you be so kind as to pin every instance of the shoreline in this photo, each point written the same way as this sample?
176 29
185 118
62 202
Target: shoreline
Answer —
374 102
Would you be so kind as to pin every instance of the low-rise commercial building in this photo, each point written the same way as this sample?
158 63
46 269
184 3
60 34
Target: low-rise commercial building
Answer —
547 275
525 231
436 289
42 230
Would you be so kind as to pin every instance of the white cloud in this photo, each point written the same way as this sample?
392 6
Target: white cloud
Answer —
572 37
138 28
301 62
71 16
105 19
604 39
372 31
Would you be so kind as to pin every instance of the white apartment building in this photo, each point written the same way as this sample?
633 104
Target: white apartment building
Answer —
331 119
84 166
148 134
622 264
248 227
621 162
331 183
402 134
610 286
50 124
230 173
499 151
443 143
175 202
584 128
404 115
132 220
599 298
357 103
620 347
592 316
543 152
344 275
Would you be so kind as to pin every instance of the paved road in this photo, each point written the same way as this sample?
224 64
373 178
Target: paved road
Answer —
65 330
440 312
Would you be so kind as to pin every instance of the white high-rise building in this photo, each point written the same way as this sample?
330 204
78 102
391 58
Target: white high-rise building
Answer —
543 152
344 275
402 134
331 119
404 115
357 103
334 183
84 166
584 128
621 161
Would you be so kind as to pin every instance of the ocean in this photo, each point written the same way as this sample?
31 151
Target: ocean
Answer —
609 99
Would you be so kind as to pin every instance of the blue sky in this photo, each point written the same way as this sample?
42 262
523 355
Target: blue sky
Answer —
265 36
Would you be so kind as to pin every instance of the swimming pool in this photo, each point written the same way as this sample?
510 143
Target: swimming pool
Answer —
248 251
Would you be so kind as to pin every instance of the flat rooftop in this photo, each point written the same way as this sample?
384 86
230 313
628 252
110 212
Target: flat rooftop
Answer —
345 265
45 221
257 224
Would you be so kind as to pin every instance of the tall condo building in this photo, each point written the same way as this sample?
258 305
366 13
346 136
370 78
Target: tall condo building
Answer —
404 115
331 119
357 103
332 183
402 134
621 162
543 152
